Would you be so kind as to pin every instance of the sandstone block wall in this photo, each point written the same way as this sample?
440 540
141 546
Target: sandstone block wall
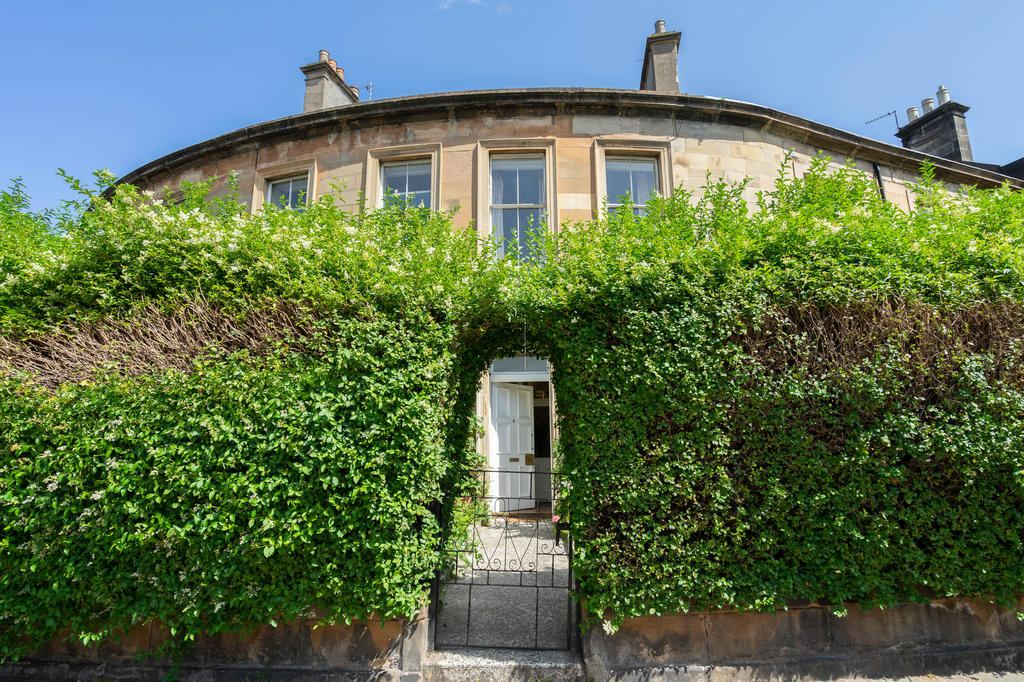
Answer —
341 158
947 636
291 652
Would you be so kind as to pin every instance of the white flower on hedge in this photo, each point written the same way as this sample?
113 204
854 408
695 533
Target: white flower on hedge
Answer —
609 627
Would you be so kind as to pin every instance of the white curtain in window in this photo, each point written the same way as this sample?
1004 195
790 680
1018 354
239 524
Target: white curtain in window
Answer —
632 176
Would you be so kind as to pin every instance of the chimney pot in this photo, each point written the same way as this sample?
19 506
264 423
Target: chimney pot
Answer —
942 95
322 90
944 135
355 89
659 26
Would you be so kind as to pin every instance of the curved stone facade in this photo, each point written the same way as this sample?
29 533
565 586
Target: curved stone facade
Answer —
573 129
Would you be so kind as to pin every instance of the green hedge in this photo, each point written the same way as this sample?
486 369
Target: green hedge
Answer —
283 450
218 419
248 490
820 400
702 479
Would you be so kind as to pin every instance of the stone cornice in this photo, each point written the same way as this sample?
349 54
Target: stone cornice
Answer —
576 100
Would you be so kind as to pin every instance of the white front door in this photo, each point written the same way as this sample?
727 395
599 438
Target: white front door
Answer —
512 449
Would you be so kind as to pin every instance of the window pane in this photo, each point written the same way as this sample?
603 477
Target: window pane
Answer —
418 199
288 193
298 193
531 181
506 228
503 181
617 180
645 180
419 176
279 193
393 180
520 363
529 228
407 181
633 176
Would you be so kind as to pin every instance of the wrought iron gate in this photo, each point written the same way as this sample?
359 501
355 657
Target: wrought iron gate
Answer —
507 580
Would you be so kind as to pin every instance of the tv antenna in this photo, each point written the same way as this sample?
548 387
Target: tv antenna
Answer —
369 91
885 115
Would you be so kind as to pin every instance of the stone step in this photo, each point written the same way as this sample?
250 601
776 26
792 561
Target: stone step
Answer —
501 665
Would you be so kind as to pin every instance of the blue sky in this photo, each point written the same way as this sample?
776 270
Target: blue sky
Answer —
117 84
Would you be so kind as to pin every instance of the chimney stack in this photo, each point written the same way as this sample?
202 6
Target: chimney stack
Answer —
939 130
325 85
661 60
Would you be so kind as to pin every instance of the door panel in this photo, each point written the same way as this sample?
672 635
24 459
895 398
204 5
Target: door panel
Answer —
524 432
513 447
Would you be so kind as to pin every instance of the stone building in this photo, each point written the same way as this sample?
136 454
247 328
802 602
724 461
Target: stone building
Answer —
506 159
579 145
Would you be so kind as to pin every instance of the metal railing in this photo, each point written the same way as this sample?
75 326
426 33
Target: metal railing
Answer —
507 580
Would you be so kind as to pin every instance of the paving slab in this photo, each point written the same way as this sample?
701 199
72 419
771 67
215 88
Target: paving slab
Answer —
494 665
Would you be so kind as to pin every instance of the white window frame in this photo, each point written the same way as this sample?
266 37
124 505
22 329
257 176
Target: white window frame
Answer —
535 146
278 172
376 158
303 198
384 165
615 202
541 207
631 147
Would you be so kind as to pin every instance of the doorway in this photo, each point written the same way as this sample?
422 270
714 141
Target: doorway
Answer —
507 578
519 434
520 446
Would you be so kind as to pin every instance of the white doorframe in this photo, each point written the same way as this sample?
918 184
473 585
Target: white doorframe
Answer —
519 377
